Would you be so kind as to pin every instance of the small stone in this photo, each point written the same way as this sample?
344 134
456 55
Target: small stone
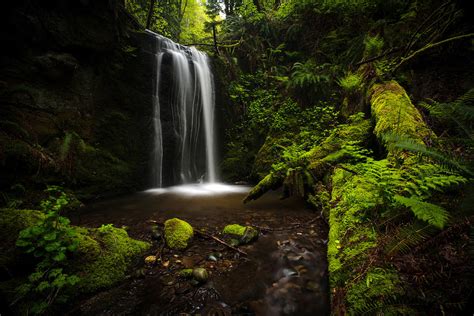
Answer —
234 242
212 258
289 272
186 273
200 274
250 234
150 259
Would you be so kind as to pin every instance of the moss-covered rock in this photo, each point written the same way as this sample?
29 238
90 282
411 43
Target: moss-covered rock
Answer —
12 221
245 234
234 229
103 256
178 233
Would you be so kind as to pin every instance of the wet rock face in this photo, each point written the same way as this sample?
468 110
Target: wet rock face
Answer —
74 68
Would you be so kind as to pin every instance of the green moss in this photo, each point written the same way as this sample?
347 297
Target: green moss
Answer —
12 221
178 233
351 82
271 181
269 153
103 257
370 293
351 234
186 273
246 234
234 229
395 114
321 157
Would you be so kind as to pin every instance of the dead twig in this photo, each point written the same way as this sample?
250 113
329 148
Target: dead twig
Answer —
220 241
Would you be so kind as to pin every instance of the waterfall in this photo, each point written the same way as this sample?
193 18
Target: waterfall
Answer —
192 99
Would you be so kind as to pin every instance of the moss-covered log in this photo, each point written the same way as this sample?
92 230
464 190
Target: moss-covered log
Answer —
270 182
396 117
316 162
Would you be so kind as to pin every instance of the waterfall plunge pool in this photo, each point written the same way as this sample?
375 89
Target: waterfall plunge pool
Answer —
201 189
285 272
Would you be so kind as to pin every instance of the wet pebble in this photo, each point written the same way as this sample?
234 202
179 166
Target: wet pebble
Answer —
200 274
289 272
212 258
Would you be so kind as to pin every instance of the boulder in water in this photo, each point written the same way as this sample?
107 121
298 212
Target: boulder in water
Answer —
178 233
246 234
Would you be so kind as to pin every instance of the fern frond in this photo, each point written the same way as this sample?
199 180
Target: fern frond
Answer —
409 237
433 214
412 146
460 112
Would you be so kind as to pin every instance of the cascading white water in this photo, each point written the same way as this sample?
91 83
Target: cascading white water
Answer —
192 102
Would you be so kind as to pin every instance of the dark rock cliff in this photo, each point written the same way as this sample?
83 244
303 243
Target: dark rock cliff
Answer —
75 97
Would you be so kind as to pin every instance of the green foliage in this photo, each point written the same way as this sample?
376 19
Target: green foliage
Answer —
459 114
378 286
105 228
430 213
49 241
445 160
351 82
310 78
408 237
411 187
373 45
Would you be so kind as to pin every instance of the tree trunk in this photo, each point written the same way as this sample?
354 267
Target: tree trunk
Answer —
214 36
150 13
258 5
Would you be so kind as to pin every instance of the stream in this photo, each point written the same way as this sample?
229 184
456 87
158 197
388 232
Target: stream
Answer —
284 272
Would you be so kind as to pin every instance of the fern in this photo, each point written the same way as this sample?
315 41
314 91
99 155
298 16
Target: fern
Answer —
459 112
428 212
444 160
351 82
408 237
307 74
422 180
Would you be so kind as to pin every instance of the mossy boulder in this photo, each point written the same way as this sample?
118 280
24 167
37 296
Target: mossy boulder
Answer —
245 234
12 221
178 233
103 256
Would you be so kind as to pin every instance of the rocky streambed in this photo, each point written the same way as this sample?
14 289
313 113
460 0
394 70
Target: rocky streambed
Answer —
283 272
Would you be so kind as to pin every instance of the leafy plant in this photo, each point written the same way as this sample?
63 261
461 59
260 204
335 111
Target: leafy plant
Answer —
49 241
373 45
412 187
308 75
351 82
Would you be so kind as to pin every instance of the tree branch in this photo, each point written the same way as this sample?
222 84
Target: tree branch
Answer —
429 46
